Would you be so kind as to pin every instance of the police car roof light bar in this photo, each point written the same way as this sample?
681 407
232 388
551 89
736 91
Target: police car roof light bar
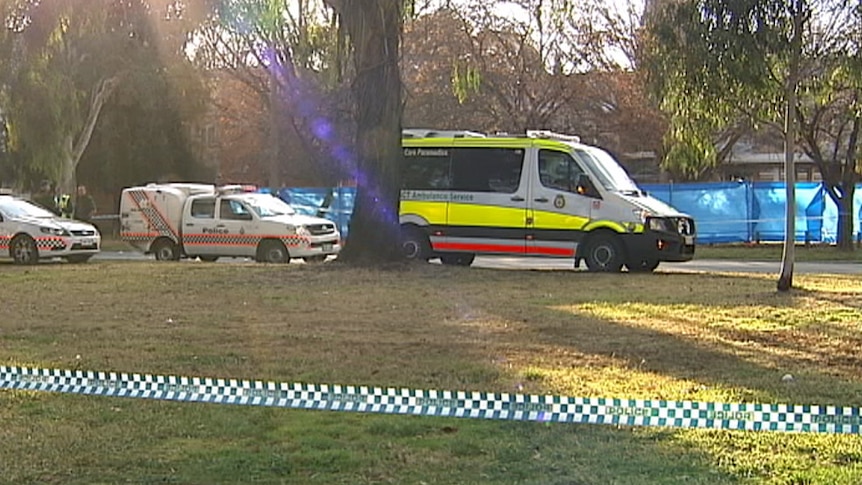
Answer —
232 189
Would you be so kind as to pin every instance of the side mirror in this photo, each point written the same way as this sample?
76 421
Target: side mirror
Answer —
586 187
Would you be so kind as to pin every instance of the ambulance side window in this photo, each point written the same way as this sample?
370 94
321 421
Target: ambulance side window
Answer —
203 208
487 169
422 172
557 170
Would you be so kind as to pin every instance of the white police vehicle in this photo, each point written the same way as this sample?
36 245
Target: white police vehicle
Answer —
29 233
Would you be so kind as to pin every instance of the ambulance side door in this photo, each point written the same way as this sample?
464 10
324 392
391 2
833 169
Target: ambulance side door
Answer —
558 213
488 207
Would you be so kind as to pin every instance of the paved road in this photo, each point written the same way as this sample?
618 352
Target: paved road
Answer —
515 263
698 265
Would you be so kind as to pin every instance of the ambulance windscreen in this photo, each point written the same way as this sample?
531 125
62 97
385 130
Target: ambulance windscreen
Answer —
611 175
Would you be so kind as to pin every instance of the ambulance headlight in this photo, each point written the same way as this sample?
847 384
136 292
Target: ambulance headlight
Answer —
657 224
302 231
54 231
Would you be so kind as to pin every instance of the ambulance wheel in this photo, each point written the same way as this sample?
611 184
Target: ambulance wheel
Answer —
23 250
604 253
643 266
457 259
271 251
166 250
415 245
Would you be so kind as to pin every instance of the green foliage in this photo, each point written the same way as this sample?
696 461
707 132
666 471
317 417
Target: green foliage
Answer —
466 80
63 51
711 62
302 35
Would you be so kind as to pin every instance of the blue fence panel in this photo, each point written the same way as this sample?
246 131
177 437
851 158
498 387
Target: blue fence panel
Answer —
770 201
830 215
857 212
333 203
724 211
721 211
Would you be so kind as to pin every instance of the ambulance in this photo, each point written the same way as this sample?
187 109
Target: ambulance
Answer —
543 194
175 220
29 233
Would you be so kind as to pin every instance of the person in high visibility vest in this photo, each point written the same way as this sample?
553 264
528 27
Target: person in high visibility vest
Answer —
64 205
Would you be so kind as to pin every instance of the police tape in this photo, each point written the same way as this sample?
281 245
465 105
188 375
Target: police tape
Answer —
459 404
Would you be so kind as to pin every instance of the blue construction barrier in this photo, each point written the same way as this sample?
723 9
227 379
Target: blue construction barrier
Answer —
755 211
725 212
333 203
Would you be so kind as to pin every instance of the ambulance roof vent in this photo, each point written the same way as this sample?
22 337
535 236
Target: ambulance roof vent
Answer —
550 135
428 133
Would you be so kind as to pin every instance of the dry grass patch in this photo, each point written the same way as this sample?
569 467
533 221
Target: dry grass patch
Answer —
659 336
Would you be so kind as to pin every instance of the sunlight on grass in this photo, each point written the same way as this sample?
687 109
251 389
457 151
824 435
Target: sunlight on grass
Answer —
618 381
781 458
700 337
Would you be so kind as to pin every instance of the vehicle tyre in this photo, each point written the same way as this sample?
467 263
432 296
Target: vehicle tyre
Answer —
166 250
79 258
415 245
23 250
604 253
315 259
457 259
271 251
643 266
209 259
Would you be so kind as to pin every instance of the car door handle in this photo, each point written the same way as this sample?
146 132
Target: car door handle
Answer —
220 225
541 199
517 198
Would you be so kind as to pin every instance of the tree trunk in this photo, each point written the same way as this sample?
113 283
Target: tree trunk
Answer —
374 28
73 150
273 178
788 258
68 164
845 218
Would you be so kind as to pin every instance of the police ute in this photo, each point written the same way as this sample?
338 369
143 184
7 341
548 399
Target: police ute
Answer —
175 220
540 194
29 233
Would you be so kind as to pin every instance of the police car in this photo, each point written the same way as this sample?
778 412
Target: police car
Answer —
29 233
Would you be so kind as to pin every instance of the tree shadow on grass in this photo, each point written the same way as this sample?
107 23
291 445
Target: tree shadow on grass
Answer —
821 356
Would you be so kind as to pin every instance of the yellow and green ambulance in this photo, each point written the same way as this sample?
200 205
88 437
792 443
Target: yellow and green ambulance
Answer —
543 194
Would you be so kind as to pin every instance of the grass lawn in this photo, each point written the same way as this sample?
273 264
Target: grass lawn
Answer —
773 252
698 337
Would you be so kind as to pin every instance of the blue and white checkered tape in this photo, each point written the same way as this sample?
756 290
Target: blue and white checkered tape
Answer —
460 404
